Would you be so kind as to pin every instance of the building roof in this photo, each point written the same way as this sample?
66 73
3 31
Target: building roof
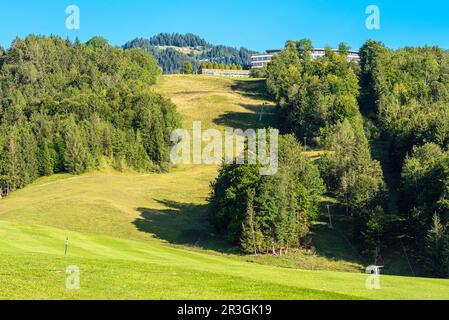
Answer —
227 71
274 51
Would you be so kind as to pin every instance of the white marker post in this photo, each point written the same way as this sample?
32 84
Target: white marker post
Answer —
67 246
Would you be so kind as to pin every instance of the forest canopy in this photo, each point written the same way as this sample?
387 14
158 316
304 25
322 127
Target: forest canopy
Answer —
169 49
68 106
397 100
406 92
318 102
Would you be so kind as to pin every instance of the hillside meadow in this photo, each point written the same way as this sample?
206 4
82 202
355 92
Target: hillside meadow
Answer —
146 236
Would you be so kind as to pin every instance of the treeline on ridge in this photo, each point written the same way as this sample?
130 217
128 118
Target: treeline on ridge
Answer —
178 40
165 48
68 106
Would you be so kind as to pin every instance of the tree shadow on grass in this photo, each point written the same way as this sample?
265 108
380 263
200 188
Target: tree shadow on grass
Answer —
261 114
182 224
258 117
336 243
254 89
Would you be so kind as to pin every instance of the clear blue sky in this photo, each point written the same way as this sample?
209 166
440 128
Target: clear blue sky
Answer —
257 25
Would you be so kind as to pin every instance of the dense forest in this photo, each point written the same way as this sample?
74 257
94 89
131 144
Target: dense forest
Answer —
71 107
406 92
318 100
168 51
399 99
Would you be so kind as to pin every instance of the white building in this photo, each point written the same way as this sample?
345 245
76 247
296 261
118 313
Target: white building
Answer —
261 60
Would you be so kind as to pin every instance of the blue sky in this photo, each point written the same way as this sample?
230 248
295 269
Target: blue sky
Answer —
258 25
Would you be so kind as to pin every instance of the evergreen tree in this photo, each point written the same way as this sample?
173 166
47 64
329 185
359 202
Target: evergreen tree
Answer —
374 234
75 155
47 158
13 166
187 68
437 257
252 237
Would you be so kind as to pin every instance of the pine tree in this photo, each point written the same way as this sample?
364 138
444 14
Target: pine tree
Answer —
373 234
75 153
187 68
436 249
46 159
251 235
28 156
13 163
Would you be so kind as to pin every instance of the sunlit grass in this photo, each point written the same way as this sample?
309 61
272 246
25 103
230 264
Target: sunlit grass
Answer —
33 267
146 236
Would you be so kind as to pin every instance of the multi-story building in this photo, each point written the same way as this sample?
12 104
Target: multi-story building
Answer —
261 60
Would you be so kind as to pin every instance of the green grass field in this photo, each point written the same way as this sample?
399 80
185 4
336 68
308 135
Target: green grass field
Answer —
145 236
33 266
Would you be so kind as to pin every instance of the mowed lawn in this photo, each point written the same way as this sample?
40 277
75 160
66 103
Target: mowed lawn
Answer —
137 236
33 267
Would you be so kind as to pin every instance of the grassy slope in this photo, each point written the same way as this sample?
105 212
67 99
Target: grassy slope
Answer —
33 267
119 226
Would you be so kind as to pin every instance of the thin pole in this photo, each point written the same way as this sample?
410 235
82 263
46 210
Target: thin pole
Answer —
406 256
262 112
330 217
67 246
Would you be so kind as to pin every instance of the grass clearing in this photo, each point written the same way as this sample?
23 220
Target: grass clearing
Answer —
33 267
